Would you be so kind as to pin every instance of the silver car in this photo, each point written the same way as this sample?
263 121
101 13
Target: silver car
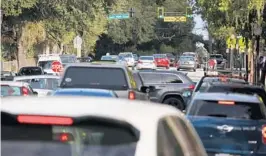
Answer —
187 62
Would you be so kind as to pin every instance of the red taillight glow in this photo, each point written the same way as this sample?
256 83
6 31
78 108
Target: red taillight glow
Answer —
25 91
191 87
131 95
139 62
226 102
46 120
64 137
263 130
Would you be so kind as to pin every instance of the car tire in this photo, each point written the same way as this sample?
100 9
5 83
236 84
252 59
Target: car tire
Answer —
178 69
176 102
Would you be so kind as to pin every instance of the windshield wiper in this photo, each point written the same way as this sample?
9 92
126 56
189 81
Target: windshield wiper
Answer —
218 115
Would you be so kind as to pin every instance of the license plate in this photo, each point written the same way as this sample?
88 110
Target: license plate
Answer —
221 154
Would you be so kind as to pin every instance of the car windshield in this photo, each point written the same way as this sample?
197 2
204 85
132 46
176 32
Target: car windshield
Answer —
186 58
46 64
103 78
107 58
125 55
216 56
10 90
43 83
239 110
67 59
146 58
30 71
159 56
83 139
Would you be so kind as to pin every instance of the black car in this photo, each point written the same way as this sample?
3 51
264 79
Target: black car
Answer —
171 87
217 87
103 76
31 70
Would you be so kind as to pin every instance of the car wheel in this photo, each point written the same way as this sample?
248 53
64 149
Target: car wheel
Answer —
173 101
178 69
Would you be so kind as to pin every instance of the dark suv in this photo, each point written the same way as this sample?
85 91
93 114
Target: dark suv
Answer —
103 76
169 87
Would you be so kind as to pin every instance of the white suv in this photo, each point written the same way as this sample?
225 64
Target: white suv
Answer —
129 57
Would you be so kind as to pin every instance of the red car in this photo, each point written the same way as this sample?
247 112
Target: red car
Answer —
162 60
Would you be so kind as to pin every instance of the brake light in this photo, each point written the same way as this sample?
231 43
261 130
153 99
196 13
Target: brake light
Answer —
64 137
131 95
263 130
226 102
139 62
45 120
191 87
25 91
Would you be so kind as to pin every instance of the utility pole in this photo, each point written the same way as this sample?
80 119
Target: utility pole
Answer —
134 33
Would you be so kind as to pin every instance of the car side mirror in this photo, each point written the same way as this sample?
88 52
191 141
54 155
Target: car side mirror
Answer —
35 93
148 89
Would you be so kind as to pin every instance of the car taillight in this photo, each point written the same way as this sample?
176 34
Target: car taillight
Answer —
191 87
139 62
25 91
131 95
263 130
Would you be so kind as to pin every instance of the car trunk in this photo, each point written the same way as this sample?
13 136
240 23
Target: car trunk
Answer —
221 135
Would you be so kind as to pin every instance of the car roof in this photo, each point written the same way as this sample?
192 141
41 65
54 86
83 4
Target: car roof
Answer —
13 83
216 78
162 71
134 112
36 77
97 65
227 96
239 85
91 90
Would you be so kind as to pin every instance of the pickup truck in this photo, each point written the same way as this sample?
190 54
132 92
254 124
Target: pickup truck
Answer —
229 124
103 76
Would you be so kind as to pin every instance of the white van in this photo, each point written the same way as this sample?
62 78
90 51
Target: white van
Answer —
45 61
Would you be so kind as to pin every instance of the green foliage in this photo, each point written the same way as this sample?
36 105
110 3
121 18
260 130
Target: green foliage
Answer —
15 7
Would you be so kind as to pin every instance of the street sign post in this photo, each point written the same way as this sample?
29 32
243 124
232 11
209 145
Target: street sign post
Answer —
175 19
119 16
77 44
57 66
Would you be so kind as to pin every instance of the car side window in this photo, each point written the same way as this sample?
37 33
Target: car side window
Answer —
171 78
151 78
167 140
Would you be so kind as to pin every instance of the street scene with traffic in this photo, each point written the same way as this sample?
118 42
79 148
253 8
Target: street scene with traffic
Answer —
133 78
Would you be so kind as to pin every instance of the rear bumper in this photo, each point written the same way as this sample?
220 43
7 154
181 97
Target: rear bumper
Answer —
141 66
162 65
186 66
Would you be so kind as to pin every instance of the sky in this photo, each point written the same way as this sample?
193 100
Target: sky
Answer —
199 27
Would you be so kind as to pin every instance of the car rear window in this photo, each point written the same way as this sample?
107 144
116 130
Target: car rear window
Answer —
10 90
159 56
95 77
238 110
43 83
146 58
84 137
30 71
234 89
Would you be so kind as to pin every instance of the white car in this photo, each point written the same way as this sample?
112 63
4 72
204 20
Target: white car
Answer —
146 62
42 84
11 88
129 57
93 126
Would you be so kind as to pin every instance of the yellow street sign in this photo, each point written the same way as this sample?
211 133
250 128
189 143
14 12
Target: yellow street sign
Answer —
175 19
242 45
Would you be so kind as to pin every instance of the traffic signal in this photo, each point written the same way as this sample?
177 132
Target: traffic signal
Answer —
189 12
160 12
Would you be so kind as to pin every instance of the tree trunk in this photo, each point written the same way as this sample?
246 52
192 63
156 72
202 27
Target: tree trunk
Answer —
22 59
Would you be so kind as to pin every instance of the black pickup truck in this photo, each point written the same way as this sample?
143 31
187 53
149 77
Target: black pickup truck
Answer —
103 76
